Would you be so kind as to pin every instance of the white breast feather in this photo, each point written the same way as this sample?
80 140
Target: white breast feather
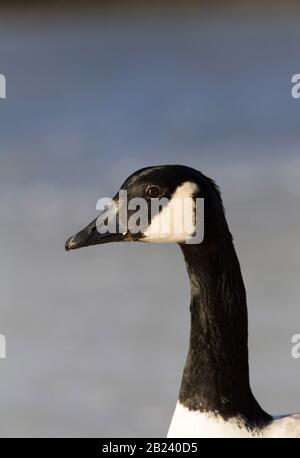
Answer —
194 424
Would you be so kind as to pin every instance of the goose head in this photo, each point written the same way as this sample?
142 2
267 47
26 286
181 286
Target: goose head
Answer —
161 204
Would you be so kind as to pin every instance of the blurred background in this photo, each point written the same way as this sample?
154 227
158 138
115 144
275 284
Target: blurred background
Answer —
97 339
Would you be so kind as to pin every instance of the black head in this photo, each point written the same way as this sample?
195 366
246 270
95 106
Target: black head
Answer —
164 184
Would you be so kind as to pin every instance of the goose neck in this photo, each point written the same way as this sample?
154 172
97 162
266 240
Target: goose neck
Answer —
216 373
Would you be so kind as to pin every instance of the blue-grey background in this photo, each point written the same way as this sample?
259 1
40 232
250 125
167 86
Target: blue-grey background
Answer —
97 339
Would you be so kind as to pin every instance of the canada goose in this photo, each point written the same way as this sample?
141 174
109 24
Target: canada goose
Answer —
215 398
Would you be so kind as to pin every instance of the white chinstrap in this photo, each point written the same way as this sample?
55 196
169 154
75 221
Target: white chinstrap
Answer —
179 219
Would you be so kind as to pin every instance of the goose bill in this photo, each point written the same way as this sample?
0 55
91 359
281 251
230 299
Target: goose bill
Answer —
91 235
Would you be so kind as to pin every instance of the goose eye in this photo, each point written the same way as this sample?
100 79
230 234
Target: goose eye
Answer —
153 191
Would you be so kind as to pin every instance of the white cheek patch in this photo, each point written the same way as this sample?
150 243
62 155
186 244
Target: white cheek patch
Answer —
176 220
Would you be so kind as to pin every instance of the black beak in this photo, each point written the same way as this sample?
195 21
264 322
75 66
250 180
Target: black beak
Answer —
90 235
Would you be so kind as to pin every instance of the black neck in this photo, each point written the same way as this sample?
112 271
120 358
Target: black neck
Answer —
216 373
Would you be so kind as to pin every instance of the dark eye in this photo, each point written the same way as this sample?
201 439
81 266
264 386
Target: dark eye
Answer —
153 191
